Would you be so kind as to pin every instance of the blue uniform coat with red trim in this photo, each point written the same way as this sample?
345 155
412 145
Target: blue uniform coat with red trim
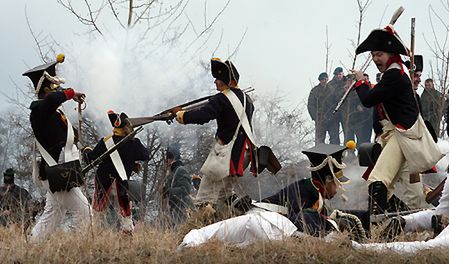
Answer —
395 92
129 153
219 108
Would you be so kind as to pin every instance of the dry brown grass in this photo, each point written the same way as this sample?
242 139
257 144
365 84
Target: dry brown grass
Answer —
152 245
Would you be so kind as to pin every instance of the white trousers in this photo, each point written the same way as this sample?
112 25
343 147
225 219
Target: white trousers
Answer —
422 220
441 241
418 222
214 191
56 206
411 193
391 168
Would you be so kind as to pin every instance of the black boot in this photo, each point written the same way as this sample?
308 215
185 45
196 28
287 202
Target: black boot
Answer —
377 198
393 229
439 222
396 205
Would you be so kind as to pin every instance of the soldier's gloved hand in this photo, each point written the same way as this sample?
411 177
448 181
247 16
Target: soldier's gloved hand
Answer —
79 97
358 75
180 117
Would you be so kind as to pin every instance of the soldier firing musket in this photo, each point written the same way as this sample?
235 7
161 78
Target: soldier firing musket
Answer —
167 115
235 146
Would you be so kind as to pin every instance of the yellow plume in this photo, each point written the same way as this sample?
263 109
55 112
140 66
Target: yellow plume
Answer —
351 144
60 58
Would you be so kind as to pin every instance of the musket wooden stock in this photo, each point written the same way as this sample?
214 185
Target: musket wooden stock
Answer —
431 196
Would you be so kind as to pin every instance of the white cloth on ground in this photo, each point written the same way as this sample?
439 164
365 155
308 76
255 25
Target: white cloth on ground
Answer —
255 225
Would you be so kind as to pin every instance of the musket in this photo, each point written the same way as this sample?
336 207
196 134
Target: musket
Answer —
412 51
393 20
112 149
167 115
351 87
434 195
381 217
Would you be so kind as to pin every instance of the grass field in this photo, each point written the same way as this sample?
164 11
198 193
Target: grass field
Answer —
151 245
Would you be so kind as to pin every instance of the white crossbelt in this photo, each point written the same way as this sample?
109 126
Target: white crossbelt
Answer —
68 149
237 105
116 160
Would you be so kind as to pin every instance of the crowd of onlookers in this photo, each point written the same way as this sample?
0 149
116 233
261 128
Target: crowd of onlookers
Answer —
355 120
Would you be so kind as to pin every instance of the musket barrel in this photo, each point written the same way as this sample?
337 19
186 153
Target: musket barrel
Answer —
112 149
167 114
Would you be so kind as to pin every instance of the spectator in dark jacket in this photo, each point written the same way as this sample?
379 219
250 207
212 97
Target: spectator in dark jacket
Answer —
177 186
15 202
432 102
319 105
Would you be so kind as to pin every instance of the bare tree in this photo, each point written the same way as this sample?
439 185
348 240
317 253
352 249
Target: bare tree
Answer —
363 7
327 47
164 18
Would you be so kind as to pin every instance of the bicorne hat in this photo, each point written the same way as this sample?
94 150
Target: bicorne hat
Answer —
224 71
385 39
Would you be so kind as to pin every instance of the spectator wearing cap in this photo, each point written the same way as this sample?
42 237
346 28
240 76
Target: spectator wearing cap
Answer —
113 173
318 105
350 122
177 187
359 118
336 90
15 202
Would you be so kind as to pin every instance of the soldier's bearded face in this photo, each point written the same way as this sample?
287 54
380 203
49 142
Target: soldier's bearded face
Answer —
381 58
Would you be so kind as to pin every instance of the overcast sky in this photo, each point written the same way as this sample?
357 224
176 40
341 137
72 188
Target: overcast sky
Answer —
283 49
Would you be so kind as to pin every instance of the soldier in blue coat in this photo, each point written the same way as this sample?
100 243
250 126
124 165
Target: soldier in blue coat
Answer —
304 199
113 173
220 108
395 107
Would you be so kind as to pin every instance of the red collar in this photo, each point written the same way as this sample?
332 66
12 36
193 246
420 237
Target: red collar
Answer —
395 59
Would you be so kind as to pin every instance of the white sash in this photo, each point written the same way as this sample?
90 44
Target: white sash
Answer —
69 148
116 160
237 105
